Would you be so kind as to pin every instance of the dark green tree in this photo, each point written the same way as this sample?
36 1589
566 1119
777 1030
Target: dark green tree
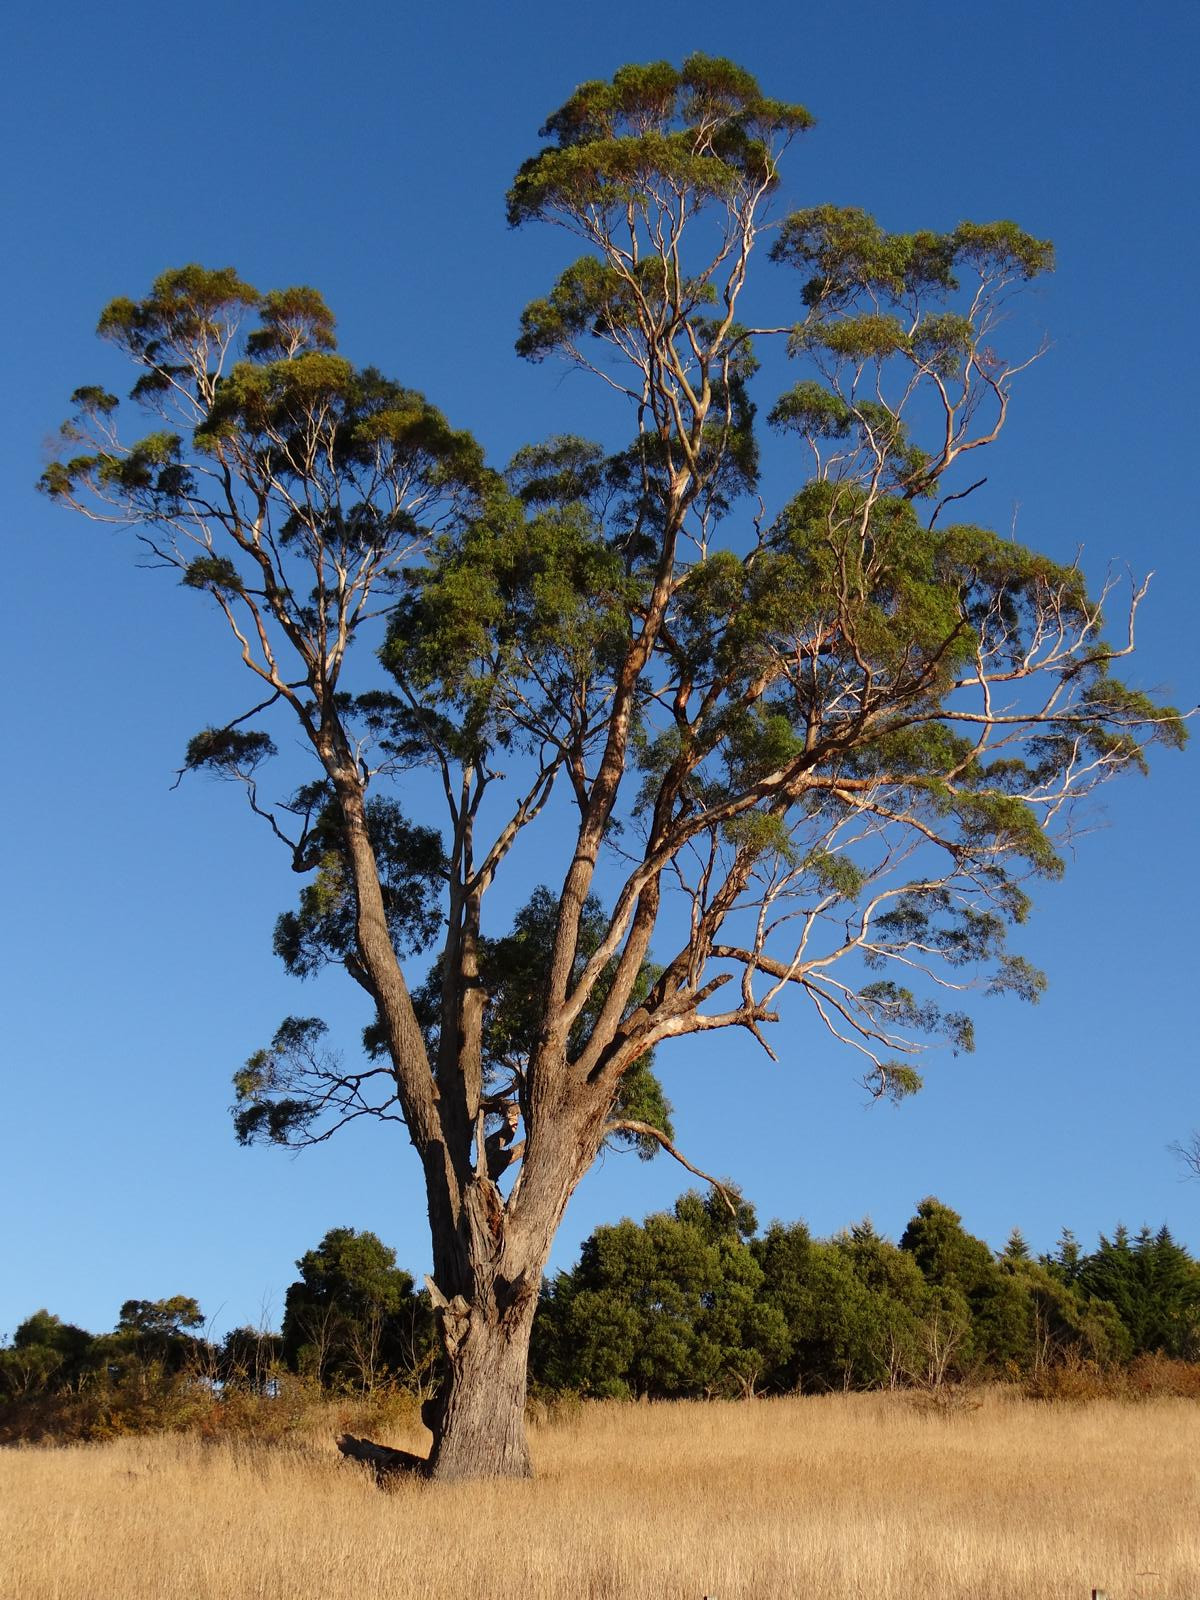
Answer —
1059 1320
946 1253
159 1331
161 1319
1067 1258
853 1308
250 1358
352 1318
1001 1328
46 1355
1016 1249
894 1344
837 732
667 1308
1153 1285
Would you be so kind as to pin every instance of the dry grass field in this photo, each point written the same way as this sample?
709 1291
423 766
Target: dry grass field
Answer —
822 1498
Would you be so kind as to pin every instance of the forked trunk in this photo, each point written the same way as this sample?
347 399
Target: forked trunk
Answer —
478 1418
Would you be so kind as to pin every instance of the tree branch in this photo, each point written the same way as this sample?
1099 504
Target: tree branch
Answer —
647 1130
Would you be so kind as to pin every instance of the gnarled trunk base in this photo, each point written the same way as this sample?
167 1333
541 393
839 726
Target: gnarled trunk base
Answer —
478 1417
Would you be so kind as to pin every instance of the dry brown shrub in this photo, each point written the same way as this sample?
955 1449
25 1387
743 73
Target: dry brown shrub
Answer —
147 1402
151 1401
1147 1377
1160 1377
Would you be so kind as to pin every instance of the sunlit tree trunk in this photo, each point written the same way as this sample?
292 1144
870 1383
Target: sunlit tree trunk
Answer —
478 1416
495 1266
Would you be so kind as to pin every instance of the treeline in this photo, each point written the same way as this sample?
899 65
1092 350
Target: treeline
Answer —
691 1303
697 1302
352 1324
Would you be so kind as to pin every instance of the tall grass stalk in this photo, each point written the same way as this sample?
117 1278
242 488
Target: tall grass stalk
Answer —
826 1497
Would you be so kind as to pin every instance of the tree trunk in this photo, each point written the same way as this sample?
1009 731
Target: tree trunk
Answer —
478 1416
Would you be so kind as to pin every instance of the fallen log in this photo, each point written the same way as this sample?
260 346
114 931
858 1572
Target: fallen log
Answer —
386 1463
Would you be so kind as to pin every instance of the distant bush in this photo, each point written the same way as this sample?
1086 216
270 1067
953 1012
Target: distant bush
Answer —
145 1399
155 1401
1146 1377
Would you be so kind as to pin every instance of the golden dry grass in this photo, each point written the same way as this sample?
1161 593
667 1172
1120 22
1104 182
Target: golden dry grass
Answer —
828 1498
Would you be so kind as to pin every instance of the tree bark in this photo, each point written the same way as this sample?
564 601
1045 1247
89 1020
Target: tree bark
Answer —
478 1415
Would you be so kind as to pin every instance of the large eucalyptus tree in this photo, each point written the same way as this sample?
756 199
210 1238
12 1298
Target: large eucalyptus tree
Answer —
812 747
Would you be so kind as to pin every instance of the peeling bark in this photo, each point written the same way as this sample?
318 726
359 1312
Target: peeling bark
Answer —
478 1418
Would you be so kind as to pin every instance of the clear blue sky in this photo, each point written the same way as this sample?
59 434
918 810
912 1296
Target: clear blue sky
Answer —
367 151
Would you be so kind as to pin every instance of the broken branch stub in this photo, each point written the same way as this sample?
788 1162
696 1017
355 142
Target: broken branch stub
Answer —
386 1463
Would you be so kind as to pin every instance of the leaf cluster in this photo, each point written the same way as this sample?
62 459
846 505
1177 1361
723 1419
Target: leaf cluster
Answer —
705 128
412 869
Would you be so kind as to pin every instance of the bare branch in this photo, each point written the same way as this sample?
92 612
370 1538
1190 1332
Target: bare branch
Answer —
646 1130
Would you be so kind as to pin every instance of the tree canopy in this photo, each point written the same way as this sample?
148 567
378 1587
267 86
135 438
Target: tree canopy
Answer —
814 738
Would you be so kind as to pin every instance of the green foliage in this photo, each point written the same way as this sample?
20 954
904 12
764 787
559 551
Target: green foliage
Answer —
152 1343
1016 1250
588 296
510 597
374 425
636 1316
251 1359
412 872
153 1334
228 752
47 1355
1063 1324
946 1254
852 1307
1153 1286
666 1309
640 1098
385 453
277 1089
1067 1260
164 1319
705 127
853 1312
291 321
352 1319
953 1260
45 1331
184 306
851 257
563 470
215 574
